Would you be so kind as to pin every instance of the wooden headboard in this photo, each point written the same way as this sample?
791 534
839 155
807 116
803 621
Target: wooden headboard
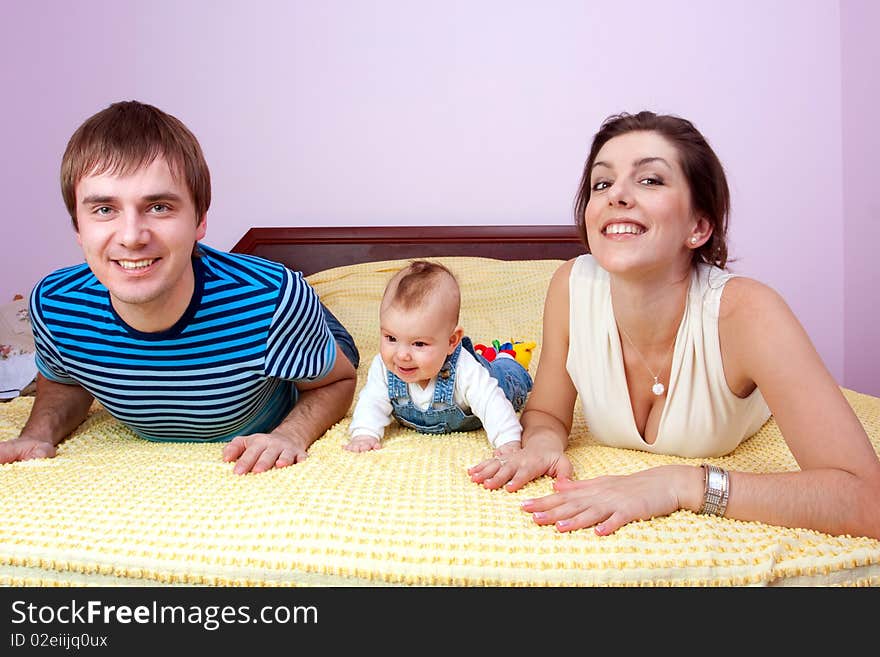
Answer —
315 249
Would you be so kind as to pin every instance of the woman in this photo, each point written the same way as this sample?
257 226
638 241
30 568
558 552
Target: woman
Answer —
671 354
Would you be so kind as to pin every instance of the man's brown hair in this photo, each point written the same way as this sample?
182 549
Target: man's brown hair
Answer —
129 135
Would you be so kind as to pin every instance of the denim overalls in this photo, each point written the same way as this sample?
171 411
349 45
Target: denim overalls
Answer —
443 415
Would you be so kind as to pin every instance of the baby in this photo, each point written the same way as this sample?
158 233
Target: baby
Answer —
425 379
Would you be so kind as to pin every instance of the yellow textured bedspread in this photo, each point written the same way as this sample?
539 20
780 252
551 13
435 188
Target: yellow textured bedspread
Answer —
114 509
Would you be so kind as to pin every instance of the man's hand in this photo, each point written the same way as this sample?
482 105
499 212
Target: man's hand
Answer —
58 409
259 452
24 449
320 405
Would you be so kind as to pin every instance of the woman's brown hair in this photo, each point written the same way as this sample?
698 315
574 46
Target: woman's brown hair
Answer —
710 195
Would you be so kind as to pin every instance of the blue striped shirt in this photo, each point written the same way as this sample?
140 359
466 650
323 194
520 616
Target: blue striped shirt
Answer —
226 368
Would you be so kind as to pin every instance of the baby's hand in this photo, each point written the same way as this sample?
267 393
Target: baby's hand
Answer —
508 449
363 444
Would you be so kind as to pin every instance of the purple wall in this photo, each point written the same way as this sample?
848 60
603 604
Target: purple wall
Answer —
58 64
392 112
859 21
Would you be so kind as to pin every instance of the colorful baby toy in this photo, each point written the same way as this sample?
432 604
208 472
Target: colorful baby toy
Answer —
520 351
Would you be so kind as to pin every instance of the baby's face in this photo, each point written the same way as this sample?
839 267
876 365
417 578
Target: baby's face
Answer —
414 343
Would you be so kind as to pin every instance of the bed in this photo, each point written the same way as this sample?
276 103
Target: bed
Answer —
112 509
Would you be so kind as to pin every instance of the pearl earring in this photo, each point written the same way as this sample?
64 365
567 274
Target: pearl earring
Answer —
693 240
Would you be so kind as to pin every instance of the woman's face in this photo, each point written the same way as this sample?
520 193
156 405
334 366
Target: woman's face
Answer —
639 215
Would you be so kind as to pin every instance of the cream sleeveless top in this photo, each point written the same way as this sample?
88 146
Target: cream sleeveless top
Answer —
702 417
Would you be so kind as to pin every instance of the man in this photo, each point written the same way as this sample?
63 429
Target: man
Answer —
179 341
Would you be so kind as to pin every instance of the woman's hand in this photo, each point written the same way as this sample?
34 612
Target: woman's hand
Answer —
515 469
607 503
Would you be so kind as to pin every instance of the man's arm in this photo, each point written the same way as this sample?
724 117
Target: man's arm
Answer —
321 404
58 409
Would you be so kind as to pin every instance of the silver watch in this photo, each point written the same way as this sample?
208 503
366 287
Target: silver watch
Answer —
716 491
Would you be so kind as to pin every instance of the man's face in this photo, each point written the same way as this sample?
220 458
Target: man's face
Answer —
137 232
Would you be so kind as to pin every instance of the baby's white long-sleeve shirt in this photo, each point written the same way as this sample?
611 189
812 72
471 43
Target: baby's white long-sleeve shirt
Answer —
476 391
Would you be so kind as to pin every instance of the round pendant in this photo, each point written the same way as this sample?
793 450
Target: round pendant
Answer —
658 389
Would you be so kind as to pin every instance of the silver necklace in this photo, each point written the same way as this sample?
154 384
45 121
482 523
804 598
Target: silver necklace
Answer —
658 388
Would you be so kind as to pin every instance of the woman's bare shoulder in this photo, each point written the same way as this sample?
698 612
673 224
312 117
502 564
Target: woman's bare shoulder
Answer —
746 299
564 270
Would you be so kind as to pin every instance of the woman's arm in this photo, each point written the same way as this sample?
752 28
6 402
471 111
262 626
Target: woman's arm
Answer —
837 489
547 416
764 346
